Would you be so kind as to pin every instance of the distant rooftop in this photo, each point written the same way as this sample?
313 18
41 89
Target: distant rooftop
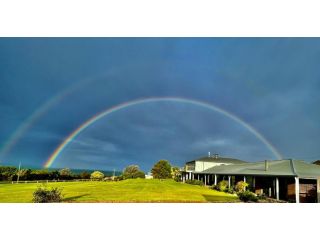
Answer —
274 168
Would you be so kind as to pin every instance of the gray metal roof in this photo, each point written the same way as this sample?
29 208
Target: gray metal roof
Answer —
218 159
275 168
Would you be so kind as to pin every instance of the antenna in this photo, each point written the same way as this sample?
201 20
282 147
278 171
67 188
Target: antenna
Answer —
19 172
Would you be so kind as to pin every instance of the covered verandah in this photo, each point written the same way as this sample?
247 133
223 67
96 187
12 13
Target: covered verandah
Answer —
292 181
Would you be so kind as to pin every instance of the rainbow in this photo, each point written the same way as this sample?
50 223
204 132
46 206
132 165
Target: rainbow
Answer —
125 105
39 112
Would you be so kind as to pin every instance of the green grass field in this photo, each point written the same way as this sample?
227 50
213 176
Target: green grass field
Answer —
135 190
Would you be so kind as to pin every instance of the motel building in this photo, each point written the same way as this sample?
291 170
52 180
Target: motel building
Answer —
288 180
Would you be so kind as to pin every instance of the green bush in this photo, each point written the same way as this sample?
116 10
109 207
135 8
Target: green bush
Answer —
177 178
118 178
176 174
247 196
195 182
230 190
214 187
222 186
44 195
241 186
261 197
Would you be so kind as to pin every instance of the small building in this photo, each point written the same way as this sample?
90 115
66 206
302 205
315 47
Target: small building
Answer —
289 180
149 175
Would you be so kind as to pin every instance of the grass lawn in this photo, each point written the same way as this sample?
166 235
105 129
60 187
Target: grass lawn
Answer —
135 190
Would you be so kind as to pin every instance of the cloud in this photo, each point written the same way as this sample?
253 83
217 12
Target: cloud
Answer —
210 143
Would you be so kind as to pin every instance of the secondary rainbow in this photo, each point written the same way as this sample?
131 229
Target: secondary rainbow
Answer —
125 105
41 111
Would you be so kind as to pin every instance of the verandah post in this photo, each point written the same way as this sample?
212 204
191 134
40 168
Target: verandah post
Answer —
297 189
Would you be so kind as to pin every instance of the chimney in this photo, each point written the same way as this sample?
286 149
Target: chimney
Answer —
266 165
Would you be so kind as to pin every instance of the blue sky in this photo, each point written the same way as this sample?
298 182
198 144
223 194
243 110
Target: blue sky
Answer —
270 83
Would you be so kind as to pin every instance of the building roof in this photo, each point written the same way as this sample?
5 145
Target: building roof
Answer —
218 160
275 168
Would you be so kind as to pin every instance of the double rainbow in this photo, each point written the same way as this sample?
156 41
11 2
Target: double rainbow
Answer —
125 105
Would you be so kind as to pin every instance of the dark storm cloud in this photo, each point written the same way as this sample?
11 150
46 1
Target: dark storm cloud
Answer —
272 84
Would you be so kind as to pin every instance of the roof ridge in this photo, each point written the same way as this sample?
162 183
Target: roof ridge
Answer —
293 167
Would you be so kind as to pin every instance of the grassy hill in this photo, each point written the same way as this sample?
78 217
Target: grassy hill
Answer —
134 190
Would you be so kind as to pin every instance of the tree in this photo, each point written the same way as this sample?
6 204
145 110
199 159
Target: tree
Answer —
8 173
161 170
317 162
133 171
24 174
65 173
84 175
96 175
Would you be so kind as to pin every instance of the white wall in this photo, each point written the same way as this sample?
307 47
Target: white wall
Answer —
201 165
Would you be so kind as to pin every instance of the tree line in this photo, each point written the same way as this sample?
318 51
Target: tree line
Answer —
161 170
8 173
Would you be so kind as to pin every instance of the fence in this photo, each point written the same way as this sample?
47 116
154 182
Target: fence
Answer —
48 181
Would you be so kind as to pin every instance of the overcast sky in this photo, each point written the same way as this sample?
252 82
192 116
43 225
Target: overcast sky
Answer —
271 84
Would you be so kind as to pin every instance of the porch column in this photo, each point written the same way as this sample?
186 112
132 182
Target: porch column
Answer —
189 176
215 179
277 188
205 180
192 176
318 189
297 188
198 176
183 177
229 182
244 180
254 183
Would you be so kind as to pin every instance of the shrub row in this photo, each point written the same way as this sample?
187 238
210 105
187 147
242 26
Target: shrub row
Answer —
194 182
247 196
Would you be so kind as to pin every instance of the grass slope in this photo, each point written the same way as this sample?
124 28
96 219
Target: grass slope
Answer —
135 190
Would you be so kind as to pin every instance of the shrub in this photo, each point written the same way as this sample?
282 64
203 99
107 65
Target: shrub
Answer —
118 178
176 174
222 186
247 196
214 187
194 182
96 175
261 197
230 190
177 178
241 186
44 195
